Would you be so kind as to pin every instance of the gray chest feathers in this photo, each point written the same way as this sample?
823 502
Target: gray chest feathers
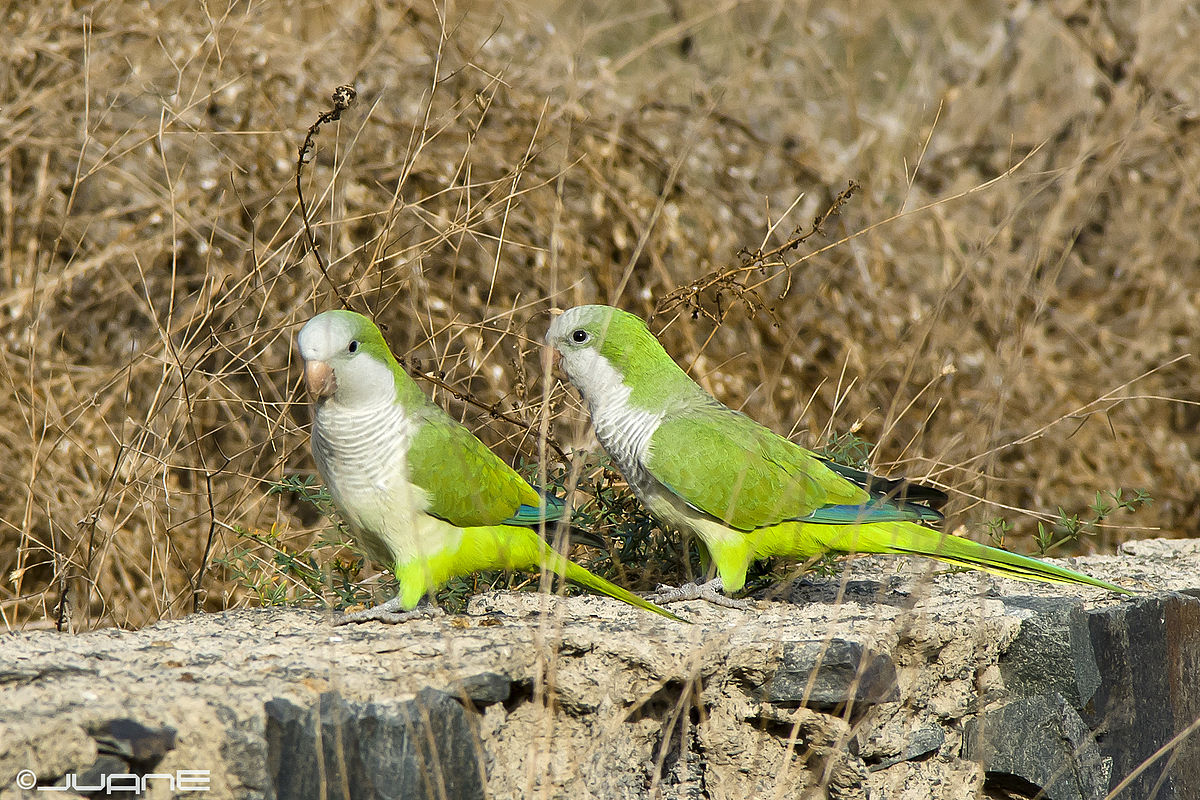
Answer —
361 453
625 431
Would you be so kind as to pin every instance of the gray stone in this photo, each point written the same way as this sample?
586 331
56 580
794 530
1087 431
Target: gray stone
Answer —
139 746
828 675
95 775
1148 653
1038 744
1052 653
924 742
422 748
484 689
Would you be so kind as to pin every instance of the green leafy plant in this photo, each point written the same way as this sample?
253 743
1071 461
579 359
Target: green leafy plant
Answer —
291 577
848 449
326 572
997 528
1071 527
638 552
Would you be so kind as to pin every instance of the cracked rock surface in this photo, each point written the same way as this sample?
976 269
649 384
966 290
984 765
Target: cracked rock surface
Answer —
898 681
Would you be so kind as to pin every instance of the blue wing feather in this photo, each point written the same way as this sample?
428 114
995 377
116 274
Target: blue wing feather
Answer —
552 510
872 512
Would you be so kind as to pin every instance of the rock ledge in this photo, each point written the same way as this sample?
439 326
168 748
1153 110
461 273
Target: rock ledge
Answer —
899 682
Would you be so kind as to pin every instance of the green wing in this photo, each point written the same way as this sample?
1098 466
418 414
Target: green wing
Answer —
727 465
467 483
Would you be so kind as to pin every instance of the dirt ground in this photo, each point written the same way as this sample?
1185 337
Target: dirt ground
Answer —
1007 305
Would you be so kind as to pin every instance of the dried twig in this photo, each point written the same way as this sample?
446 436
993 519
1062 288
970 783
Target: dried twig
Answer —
730 279
343 97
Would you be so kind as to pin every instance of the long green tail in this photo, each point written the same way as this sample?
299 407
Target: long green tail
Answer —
907 538
504 547
568 569
577 574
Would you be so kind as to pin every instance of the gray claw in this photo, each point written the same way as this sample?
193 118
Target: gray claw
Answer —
391 613
710 591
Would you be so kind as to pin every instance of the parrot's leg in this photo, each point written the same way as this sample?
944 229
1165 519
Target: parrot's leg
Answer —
392 613
710 591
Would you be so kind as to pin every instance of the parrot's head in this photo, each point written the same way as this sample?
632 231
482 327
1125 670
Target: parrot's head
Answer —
346 359
601 346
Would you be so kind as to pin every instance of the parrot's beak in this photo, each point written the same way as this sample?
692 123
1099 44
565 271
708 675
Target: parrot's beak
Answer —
555 356
319 379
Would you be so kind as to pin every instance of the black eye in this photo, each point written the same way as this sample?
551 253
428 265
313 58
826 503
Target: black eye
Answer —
353 348
579 336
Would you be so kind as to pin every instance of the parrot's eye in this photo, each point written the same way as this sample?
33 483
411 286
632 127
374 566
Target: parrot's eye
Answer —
580 336
353 348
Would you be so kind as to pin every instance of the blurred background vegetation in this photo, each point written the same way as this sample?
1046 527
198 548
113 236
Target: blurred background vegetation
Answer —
1006 306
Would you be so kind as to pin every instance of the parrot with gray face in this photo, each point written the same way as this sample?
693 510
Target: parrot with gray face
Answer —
745 491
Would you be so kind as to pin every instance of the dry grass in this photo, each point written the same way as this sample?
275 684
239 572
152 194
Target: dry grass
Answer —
1002 305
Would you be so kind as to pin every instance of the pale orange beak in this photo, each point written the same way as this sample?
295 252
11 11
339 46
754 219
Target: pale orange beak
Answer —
319 379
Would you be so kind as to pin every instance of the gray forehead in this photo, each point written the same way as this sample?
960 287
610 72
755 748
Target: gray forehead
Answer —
560 323
321 334
571 318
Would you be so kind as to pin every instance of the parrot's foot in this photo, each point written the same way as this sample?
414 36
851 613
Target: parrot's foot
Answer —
391 613
710 591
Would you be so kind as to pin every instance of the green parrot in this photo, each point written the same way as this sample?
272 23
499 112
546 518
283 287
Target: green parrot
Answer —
418 491
745 491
